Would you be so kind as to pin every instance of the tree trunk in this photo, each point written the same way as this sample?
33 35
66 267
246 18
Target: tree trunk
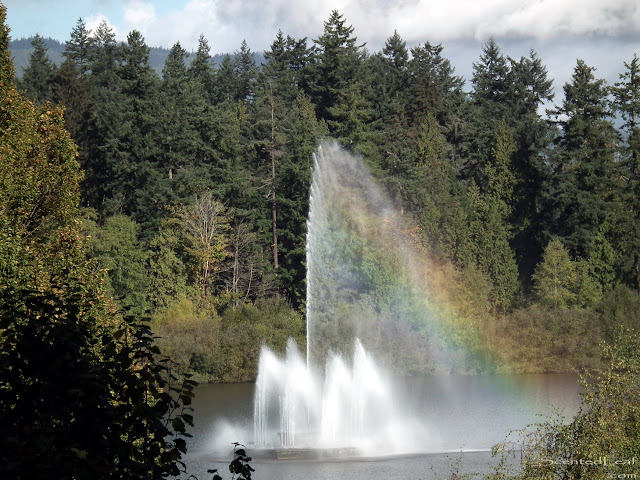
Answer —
274 228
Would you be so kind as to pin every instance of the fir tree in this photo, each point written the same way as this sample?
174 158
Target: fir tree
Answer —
39 74
79 47
335 71
246 72
627 102
201 68
584 183
71 89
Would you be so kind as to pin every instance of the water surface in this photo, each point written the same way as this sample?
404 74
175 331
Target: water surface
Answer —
466 414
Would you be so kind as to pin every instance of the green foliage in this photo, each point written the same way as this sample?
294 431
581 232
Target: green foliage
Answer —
584 182
66 366
71 90
37 78
336 77
167 273
607 428
484 179
79 47
117 249
556 279
619 308
239 465
225 348
6 64
543 339
627 102
203 225
68 358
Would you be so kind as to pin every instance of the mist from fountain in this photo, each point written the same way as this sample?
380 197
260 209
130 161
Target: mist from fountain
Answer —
338 397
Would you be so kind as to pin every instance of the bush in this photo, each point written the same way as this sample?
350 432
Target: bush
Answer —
607 426
226 348
542 339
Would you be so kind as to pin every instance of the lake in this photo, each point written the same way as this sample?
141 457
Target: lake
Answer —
461 418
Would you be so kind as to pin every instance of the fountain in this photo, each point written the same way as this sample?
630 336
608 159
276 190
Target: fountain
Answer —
337 401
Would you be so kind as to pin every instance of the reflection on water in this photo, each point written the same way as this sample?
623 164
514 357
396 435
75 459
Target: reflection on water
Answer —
459 412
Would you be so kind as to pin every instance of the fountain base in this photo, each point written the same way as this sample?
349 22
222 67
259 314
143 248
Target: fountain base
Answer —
304 453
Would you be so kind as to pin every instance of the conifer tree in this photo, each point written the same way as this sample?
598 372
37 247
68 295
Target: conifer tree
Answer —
336 80
389 70
140 195
246 71
116 246
184 157
201 68
79 47
555 278
100 142
490 80
285 68
489 104
490 228
584 184
529 90
434 87
39 74
226 81
71 90
302 131
627 237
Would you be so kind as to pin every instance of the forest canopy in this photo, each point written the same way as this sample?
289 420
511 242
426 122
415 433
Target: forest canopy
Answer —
195 186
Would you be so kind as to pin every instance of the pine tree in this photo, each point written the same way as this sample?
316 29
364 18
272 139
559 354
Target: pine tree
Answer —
302 131
225 81
100 142
246 72
79 47
490 80
555 278
166 272
116 247
335 76
584 183
135 175
201 68
183 131
7 70
71 90
390 73
39 74
627 102
434 87
529 90
489 105
490 228
285 68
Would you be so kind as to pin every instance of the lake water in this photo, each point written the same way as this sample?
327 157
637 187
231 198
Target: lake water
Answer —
462 416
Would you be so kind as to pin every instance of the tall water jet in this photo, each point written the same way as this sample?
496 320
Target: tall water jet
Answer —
339 398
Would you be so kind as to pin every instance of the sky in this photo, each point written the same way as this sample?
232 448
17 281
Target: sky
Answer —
603 33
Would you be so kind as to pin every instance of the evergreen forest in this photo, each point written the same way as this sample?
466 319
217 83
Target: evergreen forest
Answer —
195 184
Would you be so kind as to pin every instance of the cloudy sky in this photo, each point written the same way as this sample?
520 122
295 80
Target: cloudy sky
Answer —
604 33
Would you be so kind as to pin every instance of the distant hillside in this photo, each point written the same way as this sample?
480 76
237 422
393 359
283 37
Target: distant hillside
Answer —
21 51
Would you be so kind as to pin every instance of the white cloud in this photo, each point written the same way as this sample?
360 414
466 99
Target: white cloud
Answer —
471 19
225 23
139 14
92 22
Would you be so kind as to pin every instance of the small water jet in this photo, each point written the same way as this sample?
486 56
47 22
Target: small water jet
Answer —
337 401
